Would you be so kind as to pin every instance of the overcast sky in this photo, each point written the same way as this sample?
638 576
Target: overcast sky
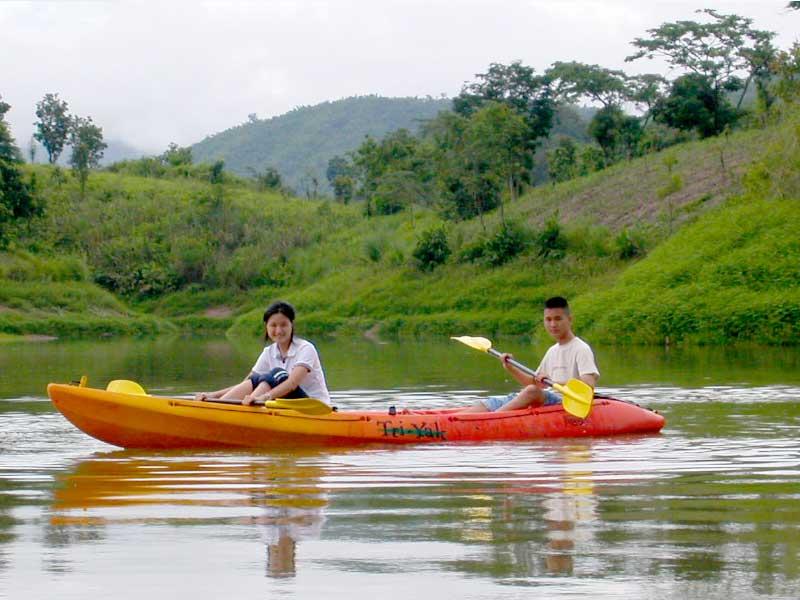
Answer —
151 73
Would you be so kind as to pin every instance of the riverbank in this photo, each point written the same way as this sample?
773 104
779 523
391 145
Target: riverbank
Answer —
645 260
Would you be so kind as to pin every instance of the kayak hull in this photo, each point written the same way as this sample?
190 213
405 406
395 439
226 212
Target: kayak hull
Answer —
143 421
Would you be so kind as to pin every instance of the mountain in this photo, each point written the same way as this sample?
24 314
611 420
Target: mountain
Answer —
300 142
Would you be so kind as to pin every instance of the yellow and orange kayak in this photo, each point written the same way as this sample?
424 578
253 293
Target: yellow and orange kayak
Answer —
143 421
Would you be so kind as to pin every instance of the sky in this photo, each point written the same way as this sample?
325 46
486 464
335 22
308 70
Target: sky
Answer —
151 73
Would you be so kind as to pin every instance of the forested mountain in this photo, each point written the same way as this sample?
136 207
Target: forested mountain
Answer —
300 143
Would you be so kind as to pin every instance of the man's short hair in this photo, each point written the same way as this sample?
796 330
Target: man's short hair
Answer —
557 302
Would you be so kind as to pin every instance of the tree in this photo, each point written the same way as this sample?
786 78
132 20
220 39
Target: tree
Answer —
645 91
87 143
8 147
615 132
17 198
787 67
562 161
53 127
495 149
432 248
176 156
693 104
517 86
720 52
268 179
464 192
575 81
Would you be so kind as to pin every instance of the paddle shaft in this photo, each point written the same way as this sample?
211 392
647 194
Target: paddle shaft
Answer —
532 373
518 365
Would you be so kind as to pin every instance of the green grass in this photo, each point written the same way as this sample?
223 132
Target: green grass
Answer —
722 263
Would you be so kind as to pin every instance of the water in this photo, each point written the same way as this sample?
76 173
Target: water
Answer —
708 509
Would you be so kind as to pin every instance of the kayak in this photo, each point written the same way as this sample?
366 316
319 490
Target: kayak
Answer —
138 420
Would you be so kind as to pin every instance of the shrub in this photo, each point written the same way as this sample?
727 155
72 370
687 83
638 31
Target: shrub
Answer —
550 242
509 241
432 248
630 244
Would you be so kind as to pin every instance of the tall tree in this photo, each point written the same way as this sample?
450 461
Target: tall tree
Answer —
495 148
575 81
726 52
53 126
87 143
693 104
8 147
18 199
518 86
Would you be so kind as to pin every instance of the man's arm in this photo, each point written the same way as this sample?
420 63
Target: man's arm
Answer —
590 379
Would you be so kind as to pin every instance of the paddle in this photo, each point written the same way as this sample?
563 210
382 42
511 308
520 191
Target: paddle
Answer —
307 406
577 394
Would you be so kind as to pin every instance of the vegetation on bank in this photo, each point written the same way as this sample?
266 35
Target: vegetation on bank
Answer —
444 235
612 241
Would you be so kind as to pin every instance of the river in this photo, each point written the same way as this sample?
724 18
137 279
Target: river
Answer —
709 508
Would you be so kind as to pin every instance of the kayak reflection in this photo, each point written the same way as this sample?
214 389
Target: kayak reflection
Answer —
277 494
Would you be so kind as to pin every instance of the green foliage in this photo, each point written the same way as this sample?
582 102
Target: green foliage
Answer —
694 104
69 309
630 244
304 140
551 242
562 160
20 265
581 82
508 242
787 68
18 199
176 156
87 143
432 248
731 276
54 125
518 87
616 133
9 151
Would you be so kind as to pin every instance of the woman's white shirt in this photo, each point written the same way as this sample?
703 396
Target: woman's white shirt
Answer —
301 353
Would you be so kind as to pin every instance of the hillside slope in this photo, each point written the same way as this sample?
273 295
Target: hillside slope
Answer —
721 264
300 142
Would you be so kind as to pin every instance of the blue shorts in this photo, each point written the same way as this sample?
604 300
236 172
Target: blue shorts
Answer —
492 403
273 379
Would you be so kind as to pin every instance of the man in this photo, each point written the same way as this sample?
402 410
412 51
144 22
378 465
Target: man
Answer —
569 358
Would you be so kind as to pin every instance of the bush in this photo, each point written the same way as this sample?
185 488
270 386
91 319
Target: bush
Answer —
550 242
630 244
508 242
432 249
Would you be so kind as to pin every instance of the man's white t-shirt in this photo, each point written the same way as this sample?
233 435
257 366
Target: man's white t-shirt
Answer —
301 353
563 362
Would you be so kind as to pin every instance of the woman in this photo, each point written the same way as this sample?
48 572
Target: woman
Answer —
288 368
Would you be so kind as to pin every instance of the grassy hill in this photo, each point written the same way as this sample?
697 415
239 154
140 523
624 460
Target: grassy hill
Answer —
301 142
717 218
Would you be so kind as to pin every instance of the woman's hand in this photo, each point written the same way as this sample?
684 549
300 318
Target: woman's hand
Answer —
201 396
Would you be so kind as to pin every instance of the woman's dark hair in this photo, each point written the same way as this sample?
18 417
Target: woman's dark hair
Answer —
282 308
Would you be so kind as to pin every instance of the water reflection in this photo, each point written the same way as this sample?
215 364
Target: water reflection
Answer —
277 494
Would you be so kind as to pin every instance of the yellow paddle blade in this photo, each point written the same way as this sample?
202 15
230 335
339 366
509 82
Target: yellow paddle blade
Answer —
479 343
578 397
125 386
308 406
